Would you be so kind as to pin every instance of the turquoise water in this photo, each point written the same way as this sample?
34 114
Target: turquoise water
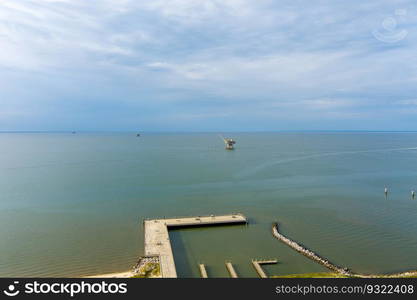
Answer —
72 205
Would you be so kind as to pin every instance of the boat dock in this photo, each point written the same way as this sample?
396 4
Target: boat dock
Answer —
231 270
257 265
157 240
203 271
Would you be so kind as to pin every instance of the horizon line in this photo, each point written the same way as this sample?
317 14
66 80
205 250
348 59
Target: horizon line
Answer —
205 131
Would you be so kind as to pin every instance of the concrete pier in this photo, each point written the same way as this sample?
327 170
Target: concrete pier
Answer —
203 271
231 270
257 264
310 254
157 240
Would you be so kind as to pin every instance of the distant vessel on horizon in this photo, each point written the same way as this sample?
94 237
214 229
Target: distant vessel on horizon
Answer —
229 143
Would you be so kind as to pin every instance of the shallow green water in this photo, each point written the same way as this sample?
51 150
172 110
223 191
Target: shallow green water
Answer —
72 205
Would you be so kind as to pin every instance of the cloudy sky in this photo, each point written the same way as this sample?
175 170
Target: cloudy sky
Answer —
208 65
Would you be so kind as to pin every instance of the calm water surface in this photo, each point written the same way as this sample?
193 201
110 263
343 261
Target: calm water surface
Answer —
73 205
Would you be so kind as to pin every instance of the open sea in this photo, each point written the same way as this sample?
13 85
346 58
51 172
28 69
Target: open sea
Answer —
73 204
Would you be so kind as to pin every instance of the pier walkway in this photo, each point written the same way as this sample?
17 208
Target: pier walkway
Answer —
203 270
231 270
257 264
157 240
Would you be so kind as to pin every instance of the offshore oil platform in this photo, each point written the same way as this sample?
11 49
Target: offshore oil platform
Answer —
229 143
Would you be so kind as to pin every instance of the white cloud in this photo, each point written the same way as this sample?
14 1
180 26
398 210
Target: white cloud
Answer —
319 56
198 10
408 102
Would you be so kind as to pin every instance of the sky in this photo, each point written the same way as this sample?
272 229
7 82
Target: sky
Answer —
208 65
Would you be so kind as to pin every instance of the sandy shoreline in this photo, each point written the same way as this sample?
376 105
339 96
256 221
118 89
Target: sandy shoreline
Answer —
126 274
129 274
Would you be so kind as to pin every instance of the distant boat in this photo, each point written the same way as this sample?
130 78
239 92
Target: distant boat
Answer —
74 132
138 135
